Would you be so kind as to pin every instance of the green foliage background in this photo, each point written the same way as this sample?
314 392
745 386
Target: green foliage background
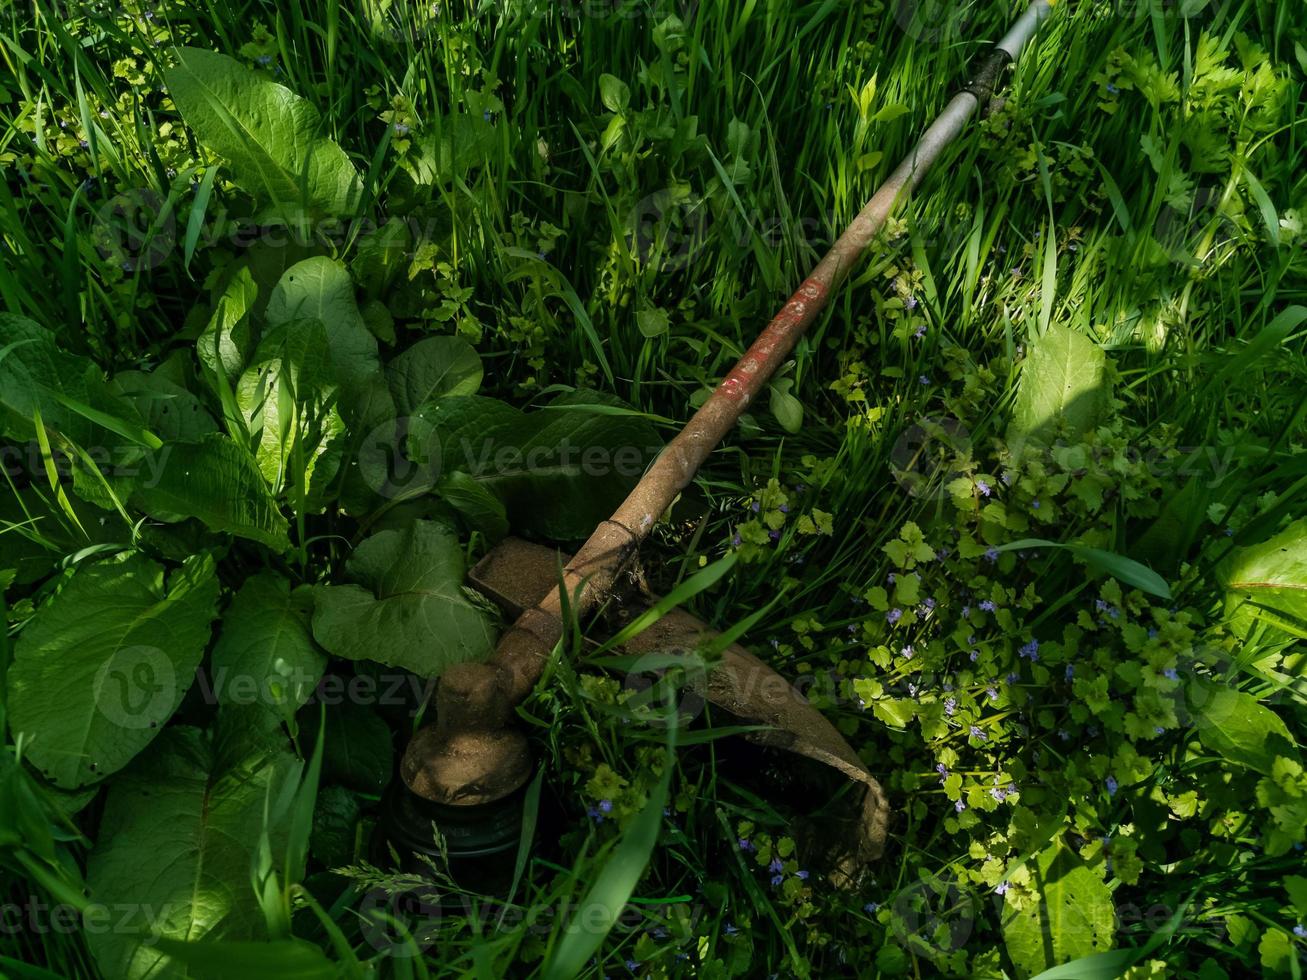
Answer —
1022 514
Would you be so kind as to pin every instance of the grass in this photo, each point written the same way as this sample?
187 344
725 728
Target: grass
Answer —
1139 184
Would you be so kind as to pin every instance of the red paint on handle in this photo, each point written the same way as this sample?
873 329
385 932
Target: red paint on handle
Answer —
777 340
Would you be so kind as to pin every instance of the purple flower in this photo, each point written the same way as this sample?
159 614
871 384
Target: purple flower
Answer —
976 732
871 907
1300 931
1034 505
998 793
776 865
1158 729
1171 674
1112 89
1001 889
908 652
746 845
730 929
891 578
755 506
264 59
921 330
1063 734
801 875
950 706
959 806
785 508
942 770
485 114
594 815
776 880
605 806
894 615
975 655
987 605
1031 650
929 603
983 487
992 692
736 540
774 535
911 304
1011 678
923 380
1111 785
1070 671
1006 477
991 554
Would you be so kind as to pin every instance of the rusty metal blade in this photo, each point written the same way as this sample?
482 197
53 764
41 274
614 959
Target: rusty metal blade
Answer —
516 573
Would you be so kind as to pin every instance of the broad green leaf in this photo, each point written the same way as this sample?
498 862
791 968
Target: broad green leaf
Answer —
894 713
286 401
477 506
381 256
559 471
358 752
1064 388
653 322
1071 916
37 373
178 839
100 668
284 959
616 94
169 410
431 369
269 135
463 141
335 818
1119 567
265 652
408 609
320 289
227 339
1268 582
216 482
1235 726
787 409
